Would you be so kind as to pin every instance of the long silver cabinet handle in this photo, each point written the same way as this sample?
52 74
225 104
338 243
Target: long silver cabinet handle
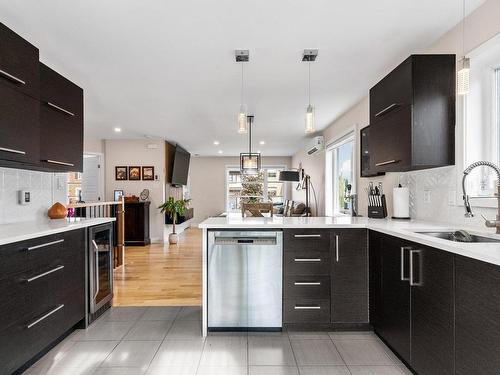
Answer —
387 109
34 323
307 260
12 151
58 162
337 250
307 235
412 278
304 283
45 245
307 307
394 161
44 274
403 249
60 109
11 77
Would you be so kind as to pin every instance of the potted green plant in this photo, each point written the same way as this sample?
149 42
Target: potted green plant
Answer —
173 208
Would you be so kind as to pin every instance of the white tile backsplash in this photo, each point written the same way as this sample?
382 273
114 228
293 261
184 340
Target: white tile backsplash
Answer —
44 193
439 182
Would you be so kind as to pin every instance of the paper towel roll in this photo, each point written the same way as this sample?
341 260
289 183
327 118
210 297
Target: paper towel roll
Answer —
401 202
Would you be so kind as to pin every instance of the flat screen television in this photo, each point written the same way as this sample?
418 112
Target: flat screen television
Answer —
180 168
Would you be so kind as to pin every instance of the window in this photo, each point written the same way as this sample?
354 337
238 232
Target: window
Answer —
339 174
263 187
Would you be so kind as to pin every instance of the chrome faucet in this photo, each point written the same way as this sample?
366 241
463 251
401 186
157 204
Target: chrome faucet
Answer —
468 209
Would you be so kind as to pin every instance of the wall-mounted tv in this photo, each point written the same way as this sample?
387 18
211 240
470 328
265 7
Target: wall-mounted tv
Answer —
180 168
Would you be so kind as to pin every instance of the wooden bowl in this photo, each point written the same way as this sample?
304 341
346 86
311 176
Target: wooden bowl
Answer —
57 211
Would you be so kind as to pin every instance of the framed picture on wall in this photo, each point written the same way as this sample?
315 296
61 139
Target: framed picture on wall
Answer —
121 173
148 173
134 173
118 194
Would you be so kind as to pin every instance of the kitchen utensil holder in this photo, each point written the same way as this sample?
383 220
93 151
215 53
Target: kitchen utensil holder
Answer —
378 211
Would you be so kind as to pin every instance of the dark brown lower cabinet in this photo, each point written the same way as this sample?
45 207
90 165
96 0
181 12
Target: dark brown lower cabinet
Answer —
137 224
477 319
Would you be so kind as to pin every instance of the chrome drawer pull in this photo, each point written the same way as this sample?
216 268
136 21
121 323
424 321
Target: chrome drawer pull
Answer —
307 260
11 77
307 235
58 162
60 109
337 250
307 283
387 109
44 274
45 316
44 245
387 162
11 150
307 307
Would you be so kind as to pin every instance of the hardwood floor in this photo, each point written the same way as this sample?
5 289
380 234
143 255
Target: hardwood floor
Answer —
161 274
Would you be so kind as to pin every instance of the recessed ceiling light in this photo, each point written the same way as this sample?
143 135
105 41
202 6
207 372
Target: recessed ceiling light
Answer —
117 130
262 142
216 143
220 151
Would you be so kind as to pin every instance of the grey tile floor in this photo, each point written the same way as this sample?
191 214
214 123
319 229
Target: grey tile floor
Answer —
167 341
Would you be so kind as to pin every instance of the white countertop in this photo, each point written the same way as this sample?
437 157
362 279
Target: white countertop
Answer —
15 232
487 252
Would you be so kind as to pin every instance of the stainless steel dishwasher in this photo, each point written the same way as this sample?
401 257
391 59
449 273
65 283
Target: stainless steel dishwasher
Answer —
245 280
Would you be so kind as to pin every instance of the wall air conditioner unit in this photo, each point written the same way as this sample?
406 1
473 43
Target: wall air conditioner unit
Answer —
315 145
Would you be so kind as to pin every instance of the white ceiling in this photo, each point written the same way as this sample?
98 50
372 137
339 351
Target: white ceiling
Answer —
166 68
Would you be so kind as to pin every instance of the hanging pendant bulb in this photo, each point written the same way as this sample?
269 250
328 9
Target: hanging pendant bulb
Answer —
310 119
309 55
463 77
242 120
242 56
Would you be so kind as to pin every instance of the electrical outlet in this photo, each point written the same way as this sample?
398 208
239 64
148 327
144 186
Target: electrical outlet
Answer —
427 196
452 198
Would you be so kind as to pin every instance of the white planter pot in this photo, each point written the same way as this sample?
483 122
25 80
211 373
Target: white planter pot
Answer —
173 238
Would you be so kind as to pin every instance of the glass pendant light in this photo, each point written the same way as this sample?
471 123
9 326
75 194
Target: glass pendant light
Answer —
242 56
250 162
309 55
463 75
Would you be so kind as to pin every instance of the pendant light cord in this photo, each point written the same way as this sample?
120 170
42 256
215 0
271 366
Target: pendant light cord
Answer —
463 29
309 82
242 83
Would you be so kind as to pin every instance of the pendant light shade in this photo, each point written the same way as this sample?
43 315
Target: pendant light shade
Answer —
308 56
242 56
242 120
250 162
463 77
310 119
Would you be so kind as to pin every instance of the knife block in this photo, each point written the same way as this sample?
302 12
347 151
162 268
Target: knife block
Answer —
378 211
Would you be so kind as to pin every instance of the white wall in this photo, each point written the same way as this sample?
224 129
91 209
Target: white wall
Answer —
46 189
314 166
136 153
482 25
207 178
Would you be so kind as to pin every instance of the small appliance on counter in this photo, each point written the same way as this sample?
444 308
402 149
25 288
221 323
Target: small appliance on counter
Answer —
401 202
377 206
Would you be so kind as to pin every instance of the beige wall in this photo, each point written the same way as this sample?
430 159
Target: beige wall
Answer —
136 153
93 145
314 166
207 182
482 25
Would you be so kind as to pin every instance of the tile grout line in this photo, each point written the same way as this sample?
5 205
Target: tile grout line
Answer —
340 354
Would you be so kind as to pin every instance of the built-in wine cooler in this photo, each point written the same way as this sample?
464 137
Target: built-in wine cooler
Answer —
100 276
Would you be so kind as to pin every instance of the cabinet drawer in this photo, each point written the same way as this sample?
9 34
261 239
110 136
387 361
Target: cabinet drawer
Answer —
61 141
304 310
19 127
18 63
391 145
307 287
306 239
44 252
392 92
13 291
307 263
13 259
60 94
44 289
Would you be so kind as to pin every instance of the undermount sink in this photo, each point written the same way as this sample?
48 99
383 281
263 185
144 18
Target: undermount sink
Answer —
459 236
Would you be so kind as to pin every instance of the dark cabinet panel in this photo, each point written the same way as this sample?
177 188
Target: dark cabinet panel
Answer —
432 311
306 310
350 276
19 127
306 286
394 317
375 278
307 263
137 223
18 63
367 166
477 317
306 239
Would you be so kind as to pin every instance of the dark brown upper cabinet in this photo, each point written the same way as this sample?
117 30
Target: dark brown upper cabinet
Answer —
367 167
412 115
61 122
18 63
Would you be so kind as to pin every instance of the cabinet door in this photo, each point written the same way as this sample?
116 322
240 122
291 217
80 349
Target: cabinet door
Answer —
19 127
390 141
432 311
349 276
375 278
477 318
18 63
394 323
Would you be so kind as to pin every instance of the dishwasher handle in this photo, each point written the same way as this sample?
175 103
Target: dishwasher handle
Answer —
259 241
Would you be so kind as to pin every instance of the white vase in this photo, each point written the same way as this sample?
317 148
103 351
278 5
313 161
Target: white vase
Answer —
173 238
